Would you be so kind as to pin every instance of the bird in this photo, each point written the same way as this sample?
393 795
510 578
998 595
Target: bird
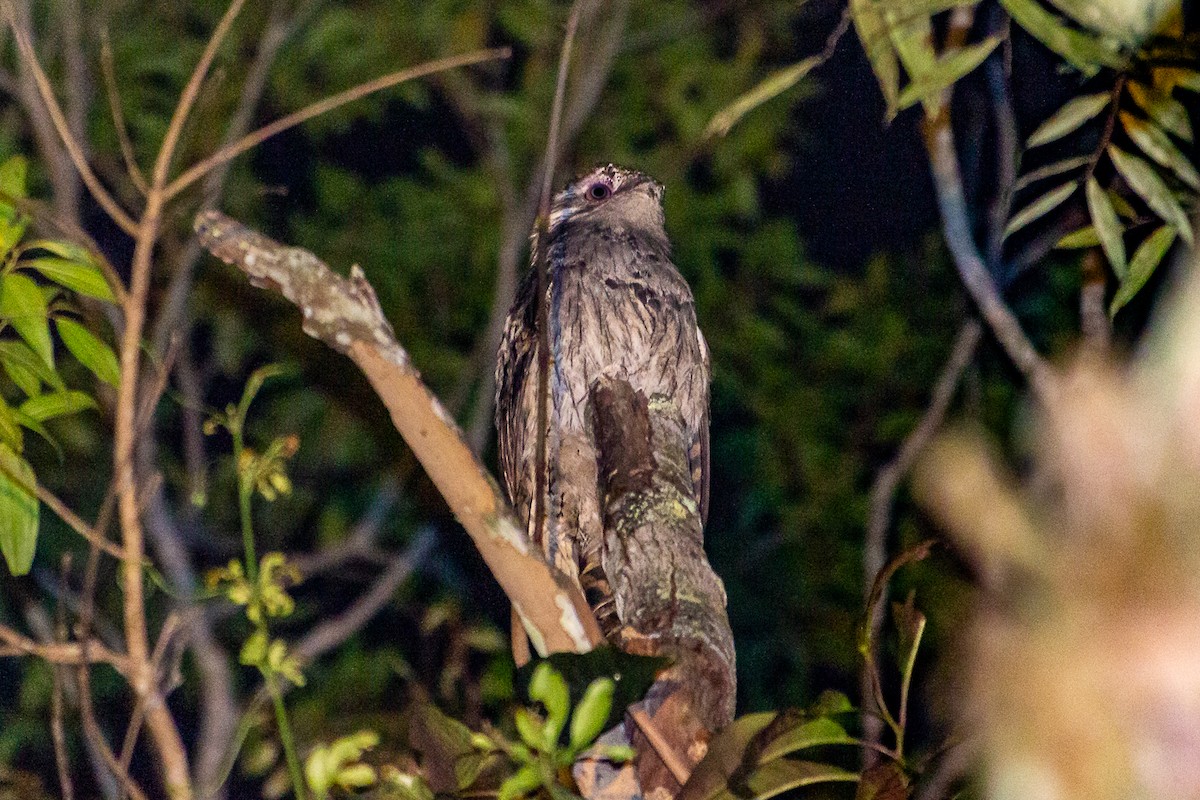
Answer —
616 307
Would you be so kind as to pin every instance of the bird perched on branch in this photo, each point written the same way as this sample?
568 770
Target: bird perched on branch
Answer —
615 307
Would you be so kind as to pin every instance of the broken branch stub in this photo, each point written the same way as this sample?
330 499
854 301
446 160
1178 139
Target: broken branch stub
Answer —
345 314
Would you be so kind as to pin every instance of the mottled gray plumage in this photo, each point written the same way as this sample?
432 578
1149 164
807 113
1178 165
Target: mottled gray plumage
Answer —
619 308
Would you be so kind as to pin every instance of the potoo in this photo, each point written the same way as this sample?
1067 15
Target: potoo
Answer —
616 307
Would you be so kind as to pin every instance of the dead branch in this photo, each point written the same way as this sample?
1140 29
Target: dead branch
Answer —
345 314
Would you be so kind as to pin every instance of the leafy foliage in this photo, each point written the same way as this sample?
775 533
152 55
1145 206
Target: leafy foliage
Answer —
27 307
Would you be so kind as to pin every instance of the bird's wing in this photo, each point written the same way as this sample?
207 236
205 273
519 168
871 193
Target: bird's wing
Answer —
699 455
516 385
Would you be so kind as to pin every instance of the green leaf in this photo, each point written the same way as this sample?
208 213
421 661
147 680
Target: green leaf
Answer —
531 729
1145 260
19 511
1123 207
82 277
520 783
10 429
25 307
1084 237
11 231
810 733
26 369
1099 17
1050 170
724 756
927 87
1084 52
777 777
1069 117
1156 144
89 350
770 87
548 687
829 703
59 404
873 34
1040 207
1108 227
904 10
28 422
13 173
592 712
442 742
912 36
1169 113
1150 187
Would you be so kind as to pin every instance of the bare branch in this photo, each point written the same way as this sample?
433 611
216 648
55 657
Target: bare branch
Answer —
956 227
136 176
333 632
75 523
882 496
345 314
13 643
162 164
57 734
279 28
328 104
74 149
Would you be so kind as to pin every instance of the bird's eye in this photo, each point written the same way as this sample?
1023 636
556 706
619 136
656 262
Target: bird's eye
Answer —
599 191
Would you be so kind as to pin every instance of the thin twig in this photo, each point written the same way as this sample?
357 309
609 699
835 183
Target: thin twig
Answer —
136 176
279 28
520 218
334 631
170 627
670 759
162 164
882 496
78 92
13 643
91 729
362 90
57 734
76 523
956 226
99 193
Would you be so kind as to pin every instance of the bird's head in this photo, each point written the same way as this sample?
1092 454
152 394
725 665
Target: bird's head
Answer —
611 194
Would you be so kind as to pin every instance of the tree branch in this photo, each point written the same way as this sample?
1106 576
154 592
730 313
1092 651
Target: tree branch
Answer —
328 104
956 227
74 149
345 314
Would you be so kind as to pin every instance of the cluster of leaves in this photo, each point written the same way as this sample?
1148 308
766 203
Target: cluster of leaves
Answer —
538 759
39 281
1163 180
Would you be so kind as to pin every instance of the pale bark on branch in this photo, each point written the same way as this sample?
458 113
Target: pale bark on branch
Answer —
345 314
